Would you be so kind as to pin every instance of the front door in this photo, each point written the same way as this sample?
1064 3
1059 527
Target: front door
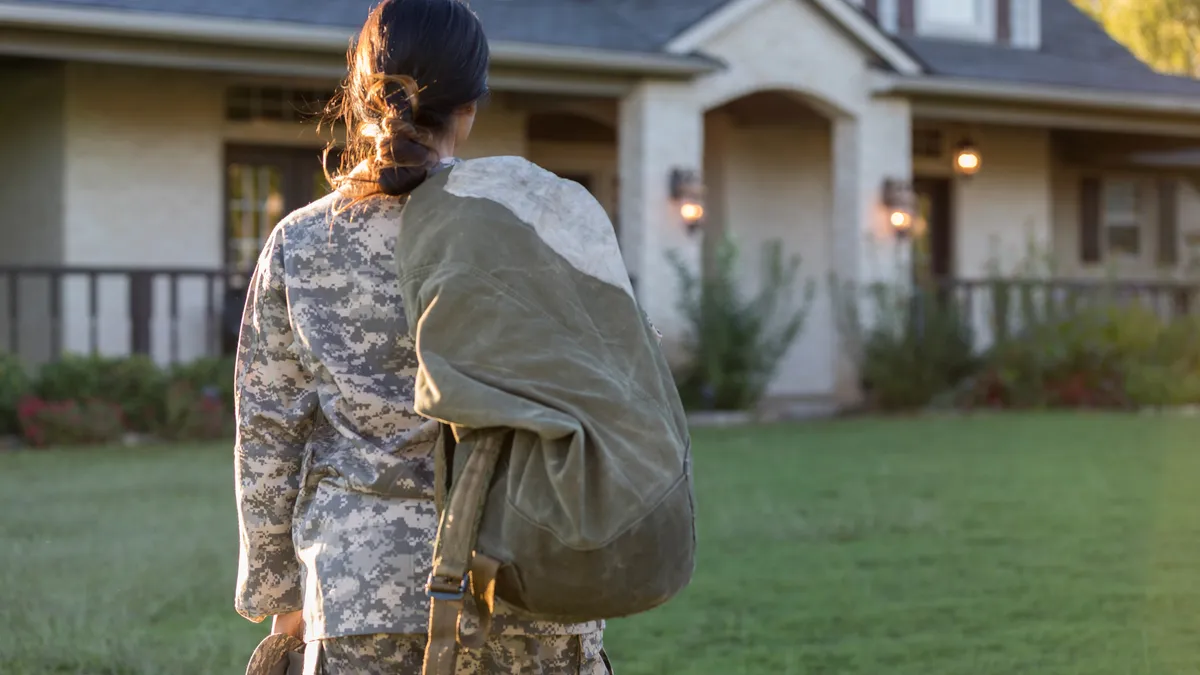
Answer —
262 185
933 236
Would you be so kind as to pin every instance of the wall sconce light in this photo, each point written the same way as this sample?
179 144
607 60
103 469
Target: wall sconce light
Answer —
900 202
967 159
687 191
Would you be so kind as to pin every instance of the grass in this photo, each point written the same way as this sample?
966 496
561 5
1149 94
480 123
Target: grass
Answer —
1026 544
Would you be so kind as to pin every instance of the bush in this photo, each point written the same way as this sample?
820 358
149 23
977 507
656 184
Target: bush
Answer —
1100 356
135 383
211 376
62 423
917 347
735 345
15 385
193 414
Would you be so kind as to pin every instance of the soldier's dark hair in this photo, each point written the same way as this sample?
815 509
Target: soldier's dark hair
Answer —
414 66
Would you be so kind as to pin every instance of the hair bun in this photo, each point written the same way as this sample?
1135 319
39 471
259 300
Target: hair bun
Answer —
403 162
403 157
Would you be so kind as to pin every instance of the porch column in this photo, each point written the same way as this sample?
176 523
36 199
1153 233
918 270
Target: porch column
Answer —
848 225
847 213
885 151
661 129
867 150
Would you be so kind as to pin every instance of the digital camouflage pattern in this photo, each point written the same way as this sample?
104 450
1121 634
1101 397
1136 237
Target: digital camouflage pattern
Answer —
502 655
334 472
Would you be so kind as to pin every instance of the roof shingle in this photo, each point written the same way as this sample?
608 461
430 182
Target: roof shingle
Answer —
1074 52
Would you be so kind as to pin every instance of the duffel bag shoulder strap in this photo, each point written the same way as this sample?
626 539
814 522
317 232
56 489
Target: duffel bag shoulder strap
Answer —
453 562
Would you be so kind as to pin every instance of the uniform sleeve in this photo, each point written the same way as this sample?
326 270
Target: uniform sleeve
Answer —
275 402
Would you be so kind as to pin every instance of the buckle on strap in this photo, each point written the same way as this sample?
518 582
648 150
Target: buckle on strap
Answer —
446 587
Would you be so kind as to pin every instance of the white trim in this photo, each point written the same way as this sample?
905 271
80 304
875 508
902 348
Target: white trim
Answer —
280 35
861 28
846 16
245 62
713 25
889 15
980 112
1039 93
600 60
1026 22
984 30
100 49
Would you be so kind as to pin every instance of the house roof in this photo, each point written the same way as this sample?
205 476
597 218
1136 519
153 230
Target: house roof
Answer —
1075 51
623 25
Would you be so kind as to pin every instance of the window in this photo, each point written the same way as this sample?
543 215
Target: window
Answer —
928 143
952 12
957 19
1121 212
1127 218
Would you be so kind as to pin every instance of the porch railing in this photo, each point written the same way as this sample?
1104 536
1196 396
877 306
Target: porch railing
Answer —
173 314
177 314
996 309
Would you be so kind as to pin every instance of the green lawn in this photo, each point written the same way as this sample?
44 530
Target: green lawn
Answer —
1024 544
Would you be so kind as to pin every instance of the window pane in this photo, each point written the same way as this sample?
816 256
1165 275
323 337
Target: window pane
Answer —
255 205
959 12
1124 240
1120 202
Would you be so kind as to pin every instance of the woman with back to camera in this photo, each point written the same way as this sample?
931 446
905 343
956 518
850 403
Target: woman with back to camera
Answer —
333 470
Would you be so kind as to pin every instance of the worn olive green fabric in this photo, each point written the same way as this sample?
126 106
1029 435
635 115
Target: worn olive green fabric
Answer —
524 319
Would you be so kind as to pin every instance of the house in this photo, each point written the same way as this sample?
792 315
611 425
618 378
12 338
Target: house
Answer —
149 145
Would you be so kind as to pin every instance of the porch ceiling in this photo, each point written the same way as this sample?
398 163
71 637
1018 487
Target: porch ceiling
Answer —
1126 149
1172 122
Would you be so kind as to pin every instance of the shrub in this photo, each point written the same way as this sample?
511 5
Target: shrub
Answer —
193 414
62 423
213 375
15 385
916 346
1084 359
735 345
135 383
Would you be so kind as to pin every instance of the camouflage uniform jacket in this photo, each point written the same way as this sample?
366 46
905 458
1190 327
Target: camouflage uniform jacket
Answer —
334 471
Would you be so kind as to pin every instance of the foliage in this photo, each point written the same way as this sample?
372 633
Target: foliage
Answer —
735 344
15 385
211 376
1163 33
191 413
63 423
135 383
190 401
1103 355
916 346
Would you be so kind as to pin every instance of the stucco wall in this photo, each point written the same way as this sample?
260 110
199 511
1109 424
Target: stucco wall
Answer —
1002 215
829 201
499 130
143 186
1144 267
775 184
787 45
31 192
144 180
